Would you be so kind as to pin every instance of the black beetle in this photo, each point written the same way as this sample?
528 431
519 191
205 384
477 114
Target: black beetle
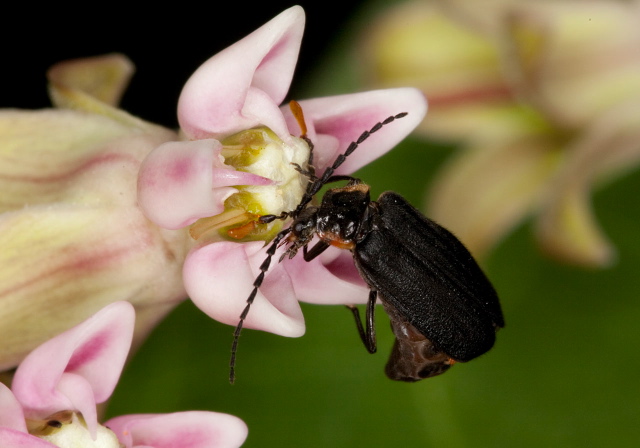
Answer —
442 307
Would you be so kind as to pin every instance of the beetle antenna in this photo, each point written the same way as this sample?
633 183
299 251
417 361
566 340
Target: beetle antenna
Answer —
314 187
264 267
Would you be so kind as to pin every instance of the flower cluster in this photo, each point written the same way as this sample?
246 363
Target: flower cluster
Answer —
53 398
545 97
237 165
103 213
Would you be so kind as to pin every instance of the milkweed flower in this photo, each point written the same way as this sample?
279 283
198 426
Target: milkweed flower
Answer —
73 238
239 163
544 97
52 401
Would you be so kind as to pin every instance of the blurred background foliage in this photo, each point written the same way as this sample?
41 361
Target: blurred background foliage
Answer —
564 371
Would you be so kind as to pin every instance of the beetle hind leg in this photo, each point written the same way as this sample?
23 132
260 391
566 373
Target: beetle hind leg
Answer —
367 335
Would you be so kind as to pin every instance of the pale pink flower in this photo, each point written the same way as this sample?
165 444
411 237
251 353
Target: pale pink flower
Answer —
233 101
72 235
56 389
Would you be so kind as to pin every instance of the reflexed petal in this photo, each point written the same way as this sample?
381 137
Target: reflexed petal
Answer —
180 430
330 279
180 182
242 86
219 279
491 187
567 227
10 438
574 62
11 415
78 368
336 121
62 263
568 231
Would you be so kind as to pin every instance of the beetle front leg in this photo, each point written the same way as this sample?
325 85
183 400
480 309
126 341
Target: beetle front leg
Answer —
369 336
337 178
316 250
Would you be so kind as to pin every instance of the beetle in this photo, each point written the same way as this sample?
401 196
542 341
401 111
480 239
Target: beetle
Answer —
442 307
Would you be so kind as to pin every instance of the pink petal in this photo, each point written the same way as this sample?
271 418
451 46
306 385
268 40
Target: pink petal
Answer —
195 429
334 122
78 368
11 415
181 182
10 438
242 86
329 279
219 278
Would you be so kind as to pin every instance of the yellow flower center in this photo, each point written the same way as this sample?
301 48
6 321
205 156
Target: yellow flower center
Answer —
257 151
67 429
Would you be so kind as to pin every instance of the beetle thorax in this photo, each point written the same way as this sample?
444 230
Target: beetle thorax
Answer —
341 215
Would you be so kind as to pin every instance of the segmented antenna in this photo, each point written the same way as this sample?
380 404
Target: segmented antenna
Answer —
313 187
264 267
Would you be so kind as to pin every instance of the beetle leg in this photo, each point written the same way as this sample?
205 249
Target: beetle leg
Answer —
371 325
316 250
266 219
310 172
369 336
352 180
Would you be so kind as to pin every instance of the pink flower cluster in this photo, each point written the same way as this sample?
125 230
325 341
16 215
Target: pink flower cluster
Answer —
80 368
239 91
